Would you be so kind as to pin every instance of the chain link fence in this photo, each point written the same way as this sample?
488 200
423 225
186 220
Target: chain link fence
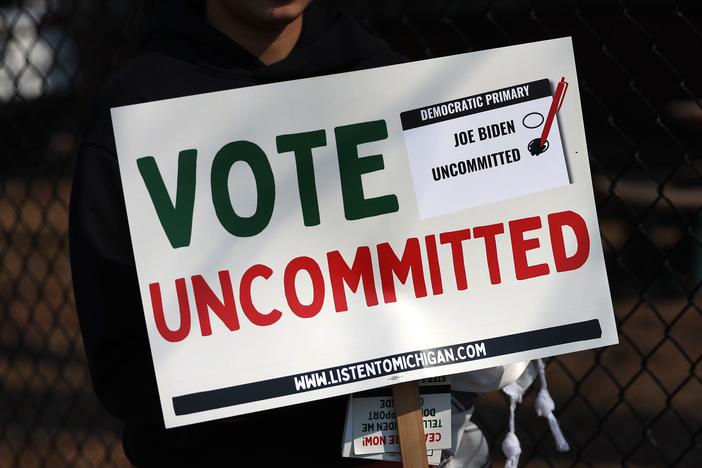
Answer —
635 404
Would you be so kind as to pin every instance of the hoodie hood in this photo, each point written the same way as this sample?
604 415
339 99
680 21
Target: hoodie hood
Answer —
330 42
184 55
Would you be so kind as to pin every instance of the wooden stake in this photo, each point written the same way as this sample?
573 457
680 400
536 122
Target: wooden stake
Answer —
410 425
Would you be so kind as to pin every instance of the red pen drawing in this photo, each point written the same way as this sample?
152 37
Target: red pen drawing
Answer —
539 145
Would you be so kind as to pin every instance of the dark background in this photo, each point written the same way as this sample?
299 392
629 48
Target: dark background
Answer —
635 404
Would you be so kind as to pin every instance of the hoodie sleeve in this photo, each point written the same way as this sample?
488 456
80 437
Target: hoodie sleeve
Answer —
105 285
488 380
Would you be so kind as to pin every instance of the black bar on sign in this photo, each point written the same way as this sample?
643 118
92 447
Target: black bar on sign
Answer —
283 386
446 110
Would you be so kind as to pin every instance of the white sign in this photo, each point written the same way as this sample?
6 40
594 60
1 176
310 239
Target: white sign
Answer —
291 243
375 425
347 446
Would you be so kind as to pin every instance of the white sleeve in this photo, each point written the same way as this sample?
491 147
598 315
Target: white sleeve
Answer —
488 380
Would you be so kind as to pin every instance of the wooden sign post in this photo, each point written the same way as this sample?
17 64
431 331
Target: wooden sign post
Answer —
410 425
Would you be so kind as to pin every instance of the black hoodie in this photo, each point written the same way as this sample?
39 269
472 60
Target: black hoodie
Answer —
184 55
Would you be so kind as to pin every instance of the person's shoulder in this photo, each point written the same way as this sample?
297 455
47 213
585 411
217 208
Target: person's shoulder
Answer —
150 76
381 57
144 78
374 51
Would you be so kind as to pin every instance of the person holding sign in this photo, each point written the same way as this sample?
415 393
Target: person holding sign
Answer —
195 47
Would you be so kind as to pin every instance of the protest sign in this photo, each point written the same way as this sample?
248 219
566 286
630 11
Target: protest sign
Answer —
374 424
312 238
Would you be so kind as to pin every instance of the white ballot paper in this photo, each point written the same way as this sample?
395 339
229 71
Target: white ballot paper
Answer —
458 149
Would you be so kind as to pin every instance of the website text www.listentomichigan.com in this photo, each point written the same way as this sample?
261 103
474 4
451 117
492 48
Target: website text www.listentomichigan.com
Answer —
390 365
